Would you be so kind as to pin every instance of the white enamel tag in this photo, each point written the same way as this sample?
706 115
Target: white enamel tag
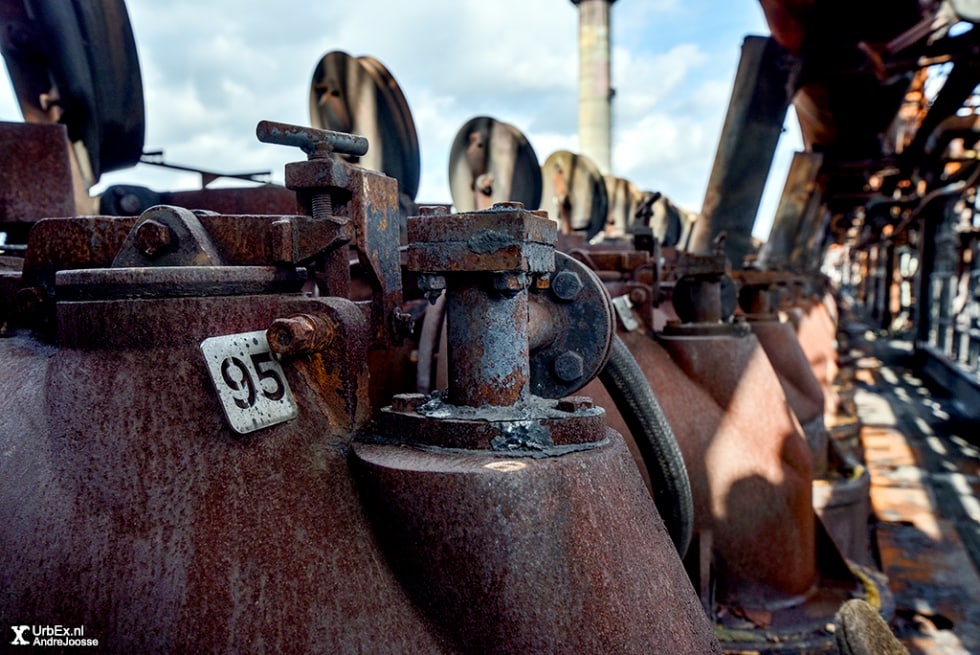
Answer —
249 381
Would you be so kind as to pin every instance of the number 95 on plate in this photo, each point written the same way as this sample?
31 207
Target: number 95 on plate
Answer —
249 380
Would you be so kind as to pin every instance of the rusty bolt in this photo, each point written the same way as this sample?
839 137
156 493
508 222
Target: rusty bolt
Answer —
431 282
568 366
507 206
431 285
300 334
572 404
321 205
509 284
407 402
638 296
433 210
566 285
153 238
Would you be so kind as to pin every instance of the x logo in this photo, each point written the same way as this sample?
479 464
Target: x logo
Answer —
19 631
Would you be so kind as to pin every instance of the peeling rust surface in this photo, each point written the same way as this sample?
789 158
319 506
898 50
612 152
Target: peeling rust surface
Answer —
479 565
36 175
533 427
139 514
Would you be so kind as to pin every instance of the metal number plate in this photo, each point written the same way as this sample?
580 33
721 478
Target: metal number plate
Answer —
249 381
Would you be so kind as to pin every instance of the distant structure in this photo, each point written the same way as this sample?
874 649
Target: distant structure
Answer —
594 89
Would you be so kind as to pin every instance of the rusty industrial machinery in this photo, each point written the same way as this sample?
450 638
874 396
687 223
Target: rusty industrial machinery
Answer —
841 483
750 465
556 414
883 199
255 474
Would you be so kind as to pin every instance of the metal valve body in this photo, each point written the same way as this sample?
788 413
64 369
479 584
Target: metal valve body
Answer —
750 466
189 463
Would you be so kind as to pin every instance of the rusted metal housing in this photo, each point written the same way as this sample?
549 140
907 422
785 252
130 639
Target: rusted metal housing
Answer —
751 463
37 176
137 508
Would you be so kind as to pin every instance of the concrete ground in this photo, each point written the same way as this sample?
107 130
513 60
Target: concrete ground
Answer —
924 462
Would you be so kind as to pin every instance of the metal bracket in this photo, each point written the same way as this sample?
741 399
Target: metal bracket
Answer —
624 309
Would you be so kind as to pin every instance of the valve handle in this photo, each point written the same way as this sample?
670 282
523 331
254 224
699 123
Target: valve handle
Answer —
316 143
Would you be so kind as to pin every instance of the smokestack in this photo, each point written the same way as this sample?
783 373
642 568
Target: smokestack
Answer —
594 89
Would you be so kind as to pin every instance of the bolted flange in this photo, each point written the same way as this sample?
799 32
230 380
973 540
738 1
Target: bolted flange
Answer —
484 260
572 325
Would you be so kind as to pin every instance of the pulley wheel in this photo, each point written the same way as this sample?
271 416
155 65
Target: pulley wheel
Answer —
75 62
492 161
574 193
662 216
360 96
624 199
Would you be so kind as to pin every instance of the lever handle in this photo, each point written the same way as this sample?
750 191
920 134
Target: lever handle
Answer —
316 143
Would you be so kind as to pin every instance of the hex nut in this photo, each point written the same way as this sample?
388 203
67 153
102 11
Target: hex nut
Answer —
407 402
300 334
431 285
153 238
566 285
290 335
572 404
568 366
509 283
431 282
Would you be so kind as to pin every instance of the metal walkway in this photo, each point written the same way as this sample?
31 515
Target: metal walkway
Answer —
924 462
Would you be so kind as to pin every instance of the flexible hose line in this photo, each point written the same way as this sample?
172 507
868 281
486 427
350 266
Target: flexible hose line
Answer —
624 380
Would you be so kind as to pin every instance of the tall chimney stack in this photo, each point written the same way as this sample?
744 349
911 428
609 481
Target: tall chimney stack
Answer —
594 89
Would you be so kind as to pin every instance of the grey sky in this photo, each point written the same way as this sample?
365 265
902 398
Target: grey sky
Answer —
212 70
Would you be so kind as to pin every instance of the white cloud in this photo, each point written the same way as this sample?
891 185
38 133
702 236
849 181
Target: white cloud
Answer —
667 153
668 111
643 80
212 70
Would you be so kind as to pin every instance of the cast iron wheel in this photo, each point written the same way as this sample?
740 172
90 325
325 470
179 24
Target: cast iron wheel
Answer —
75 62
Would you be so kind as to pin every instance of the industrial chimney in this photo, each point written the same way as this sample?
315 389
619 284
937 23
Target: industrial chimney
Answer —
594 90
